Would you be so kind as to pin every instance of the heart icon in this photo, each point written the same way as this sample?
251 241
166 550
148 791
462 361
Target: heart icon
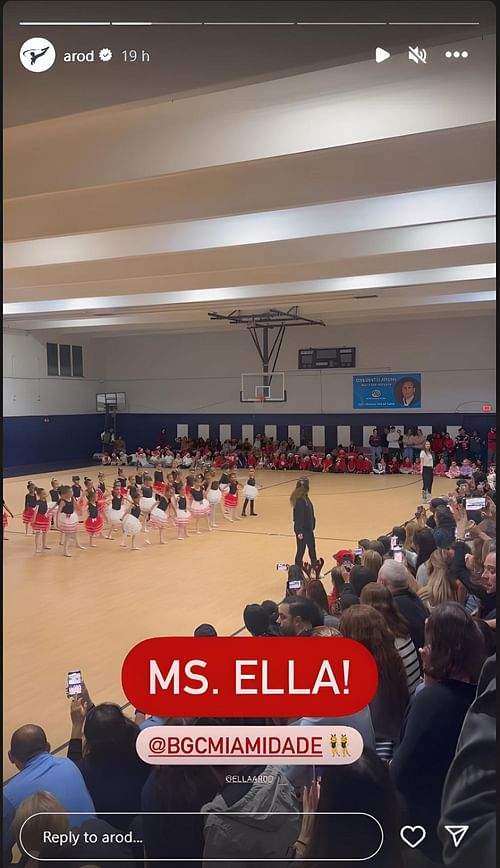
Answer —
413 835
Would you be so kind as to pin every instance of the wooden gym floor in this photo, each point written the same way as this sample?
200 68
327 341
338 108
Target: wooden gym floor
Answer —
87 613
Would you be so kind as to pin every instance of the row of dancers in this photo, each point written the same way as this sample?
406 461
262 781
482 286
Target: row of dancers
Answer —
134 505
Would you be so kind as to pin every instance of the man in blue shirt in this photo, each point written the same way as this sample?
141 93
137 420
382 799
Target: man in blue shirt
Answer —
39 770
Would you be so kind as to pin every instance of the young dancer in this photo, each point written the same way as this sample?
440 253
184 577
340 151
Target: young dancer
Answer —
351 461
115 510
231 498
183 515
199 507
392 464
54 500
78 496
5 519
440 468
363 464
214 497
131 523
41 521
67 519
316 463
158 517
340 462
147 499
29 506
417 466
250 492
94 522
122 482
159 481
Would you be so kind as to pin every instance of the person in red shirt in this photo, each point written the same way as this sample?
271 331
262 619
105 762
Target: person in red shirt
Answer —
251 460
316 462
448 447
340 462
437 443
393 465
219 461
351 461
282 462
363 464
406 466
305 462
440 468
327 463
492 446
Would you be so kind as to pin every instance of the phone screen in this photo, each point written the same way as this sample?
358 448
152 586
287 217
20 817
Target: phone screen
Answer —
475 503
74 685
208 204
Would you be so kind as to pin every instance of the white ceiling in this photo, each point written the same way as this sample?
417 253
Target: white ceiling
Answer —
358 192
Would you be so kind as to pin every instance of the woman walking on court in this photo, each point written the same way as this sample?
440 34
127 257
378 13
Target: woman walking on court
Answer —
427 471
304 521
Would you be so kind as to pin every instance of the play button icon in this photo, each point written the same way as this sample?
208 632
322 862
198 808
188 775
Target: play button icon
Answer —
381 54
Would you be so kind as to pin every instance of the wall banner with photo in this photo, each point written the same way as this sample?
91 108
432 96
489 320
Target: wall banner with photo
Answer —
386 391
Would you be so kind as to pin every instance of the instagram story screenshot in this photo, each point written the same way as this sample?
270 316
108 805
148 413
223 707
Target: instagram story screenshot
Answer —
211 206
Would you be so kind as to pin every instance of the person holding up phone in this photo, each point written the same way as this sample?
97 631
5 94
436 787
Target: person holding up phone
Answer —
304 521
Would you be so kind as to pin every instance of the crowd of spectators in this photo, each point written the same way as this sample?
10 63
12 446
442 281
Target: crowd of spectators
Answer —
429 620
390 450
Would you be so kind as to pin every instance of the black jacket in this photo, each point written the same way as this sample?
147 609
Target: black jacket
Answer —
412 608
304 520
469 795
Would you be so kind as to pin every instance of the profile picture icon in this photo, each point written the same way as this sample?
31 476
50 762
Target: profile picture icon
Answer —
37 54
407 392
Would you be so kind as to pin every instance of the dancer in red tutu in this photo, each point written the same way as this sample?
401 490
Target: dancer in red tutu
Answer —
159 481
41 521
231 498
5 519
29 506
94 522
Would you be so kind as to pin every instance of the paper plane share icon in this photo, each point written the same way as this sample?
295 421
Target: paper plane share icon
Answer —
457 833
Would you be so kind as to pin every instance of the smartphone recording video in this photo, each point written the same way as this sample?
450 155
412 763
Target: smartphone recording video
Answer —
249 295
74 686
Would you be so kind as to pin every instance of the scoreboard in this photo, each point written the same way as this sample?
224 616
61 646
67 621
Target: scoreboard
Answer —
334 357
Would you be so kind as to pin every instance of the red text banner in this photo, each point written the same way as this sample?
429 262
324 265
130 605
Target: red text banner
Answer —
249 677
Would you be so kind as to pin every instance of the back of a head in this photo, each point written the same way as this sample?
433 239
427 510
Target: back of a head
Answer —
316 592
109 733
205 630
271 608
373 561
386 542
307 610
28 741
348 599
360 576
364 786
425 544
394 575
52 817
444 517
377 595
457 646
400 533
326 632
256 619
376 546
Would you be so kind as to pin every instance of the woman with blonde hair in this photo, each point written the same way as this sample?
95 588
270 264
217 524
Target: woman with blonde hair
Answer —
442 586
52 817
372 560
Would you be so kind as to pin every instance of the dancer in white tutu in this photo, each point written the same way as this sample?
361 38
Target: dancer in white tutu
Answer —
224 487
116 510
158 517
67 519
147 500
250 492
200 507
131 523
183 515
214 496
